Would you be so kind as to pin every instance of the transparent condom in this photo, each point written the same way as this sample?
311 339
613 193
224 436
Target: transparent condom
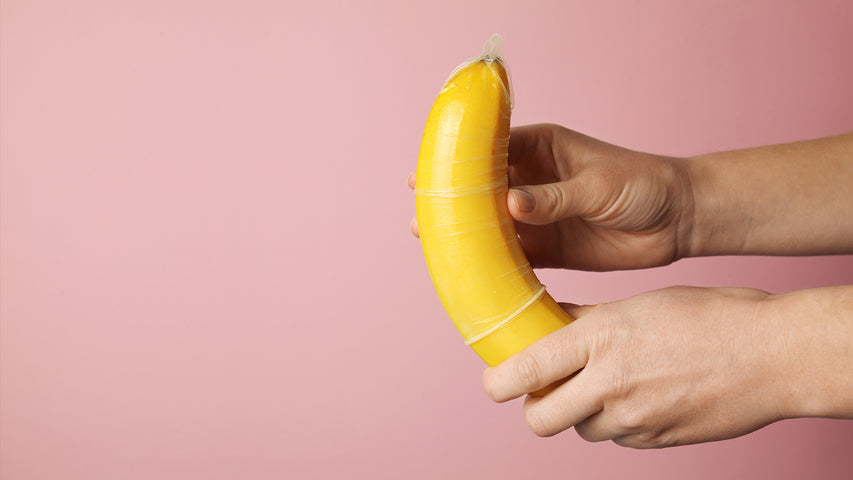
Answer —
469 240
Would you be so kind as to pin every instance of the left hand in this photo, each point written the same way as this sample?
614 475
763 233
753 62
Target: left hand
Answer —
669 367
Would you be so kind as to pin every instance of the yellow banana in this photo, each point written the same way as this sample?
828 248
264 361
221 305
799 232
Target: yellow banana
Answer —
468 237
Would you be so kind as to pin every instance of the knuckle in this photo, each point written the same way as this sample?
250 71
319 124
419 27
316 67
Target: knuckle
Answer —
555 198
631 419
648 437
615 381
651 439
528 372
538 424
586 432
658 441
619 385
628 441
623 441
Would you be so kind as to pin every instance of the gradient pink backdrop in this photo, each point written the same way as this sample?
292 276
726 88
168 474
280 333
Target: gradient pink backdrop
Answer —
206 264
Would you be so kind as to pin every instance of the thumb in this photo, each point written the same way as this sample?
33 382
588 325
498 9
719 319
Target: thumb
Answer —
548 203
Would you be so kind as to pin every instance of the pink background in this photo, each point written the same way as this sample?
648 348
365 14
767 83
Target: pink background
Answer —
206 264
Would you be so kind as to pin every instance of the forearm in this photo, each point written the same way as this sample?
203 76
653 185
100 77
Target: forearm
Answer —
791 199
812 332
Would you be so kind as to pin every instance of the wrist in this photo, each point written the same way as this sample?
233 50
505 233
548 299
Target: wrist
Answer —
692 228
778 366
810 351
716 224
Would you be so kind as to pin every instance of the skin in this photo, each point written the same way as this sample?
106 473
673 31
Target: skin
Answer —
681 365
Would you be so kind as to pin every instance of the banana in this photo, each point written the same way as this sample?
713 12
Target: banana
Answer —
476 263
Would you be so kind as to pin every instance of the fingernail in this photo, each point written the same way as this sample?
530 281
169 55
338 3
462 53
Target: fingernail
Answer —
524 200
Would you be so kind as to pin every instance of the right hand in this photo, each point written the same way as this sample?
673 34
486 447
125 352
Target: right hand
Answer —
585 204
667 367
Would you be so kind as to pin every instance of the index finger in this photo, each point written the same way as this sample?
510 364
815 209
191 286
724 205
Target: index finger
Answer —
552 358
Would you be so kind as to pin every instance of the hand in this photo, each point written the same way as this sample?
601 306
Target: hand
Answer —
584 204
668 367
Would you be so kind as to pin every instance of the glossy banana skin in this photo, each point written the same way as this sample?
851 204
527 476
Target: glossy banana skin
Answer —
468 237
